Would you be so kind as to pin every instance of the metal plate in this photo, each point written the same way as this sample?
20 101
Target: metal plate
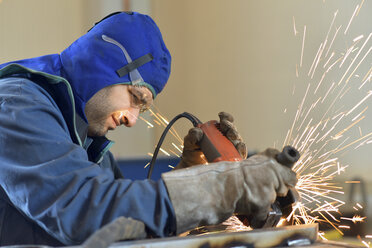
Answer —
266 237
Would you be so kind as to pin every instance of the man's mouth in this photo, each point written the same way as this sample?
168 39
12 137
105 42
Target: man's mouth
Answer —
116 121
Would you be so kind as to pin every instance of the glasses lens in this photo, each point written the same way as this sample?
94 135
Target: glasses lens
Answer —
140 98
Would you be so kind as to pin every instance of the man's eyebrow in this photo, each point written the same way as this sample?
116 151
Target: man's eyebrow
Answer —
144 97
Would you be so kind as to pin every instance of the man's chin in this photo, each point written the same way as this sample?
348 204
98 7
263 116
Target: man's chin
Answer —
97 133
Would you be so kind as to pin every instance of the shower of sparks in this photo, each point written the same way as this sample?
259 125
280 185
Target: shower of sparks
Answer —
235 225
321 139
157 118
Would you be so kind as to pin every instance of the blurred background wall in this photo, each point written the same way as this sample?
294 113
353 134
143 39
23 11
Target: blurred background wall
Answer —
238 56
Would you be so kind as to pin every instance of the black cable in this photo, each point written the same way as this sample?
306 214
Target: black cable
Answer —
195 121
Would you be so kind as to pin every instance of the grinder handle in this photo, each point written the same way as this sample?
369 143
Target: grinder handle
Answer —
288 157
216 146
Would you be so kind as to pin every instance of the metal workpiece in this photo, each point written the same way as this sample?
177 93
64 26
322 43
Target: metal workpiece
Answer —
266 237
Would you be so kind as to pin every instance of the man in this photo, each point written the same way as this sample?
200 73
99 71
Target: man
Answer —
59 184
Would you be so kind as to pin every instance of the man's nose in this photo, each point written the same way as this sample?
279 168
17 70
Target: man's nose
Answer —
131 116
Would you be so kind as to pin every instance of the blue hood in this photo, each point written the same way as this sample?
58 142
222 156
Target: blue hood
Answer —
91 63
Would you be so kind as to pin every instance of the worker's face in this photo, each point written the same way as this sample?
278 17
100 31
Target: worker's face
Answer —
115 105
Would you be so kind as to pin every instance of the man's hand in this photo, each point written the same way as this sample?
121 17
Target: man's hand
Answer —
192 155
207 195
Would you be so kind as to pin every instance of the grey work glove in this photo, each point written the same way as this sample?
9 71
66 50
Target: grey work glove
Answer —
208 195
192 155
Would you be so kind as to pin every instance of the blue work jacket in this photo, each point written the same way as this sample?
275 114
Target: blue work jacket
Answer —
57 186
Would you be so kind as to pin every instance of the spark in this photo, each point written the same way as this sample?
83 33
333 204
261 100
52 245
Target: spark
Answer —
321 235
365 81
361 4
321 80
361 101
368 73
357 116
147 122
352 143
343 94
368 236
315 61
177 147
170 166
330 26
330 222
345 227
325 96
176 154
146 165
352 181
350 126
294 26
303 45
164 120
358 38
351 64
329 59
333 39
296 70
355 219
365 243
346 55
166 153
351 74
351 19
332 65
157 122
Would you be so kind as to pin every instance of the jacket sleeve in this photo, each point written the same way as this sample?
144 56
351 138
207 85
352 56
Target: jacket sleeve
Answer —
50 180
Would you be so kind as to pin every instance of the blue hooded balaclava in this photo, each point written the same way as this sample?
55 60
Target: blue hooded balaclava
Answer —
123 48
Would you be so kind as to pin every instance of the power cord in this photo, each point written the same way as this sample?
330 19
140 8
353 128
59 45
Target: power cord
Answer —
195 121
